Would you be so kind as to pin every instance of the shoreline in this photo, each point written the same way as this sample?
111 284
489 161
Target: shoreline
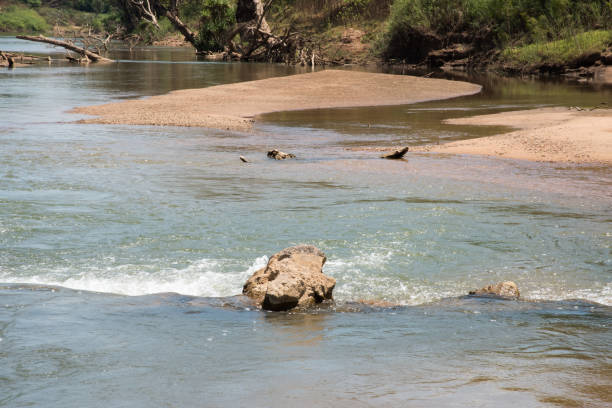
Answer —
234 106
559 135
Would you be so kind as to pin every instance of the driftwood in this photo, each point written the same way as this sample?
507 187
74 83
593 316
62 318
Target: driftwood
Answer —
92 56
11 60
398 154
8 58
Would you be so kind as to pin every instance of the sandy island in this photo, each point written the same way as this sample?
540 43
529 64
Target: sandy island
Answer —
233 106
548 134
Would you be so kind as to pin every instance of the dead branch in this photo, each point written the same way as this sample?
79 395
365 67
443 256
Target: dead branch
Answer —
67 45
148 14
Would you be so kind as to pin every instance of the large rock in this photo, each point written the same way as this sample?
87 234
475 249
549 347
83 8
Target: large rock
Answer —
278 155
506 290
293 278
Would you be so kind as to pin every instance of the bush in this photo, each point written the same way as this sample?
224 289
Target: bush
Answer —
560 51
22 20
216 17
149 33
92 6
507 21
32 3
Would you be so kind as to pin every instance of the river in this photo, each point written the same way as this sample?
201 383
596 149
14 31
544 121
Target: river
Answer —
121 248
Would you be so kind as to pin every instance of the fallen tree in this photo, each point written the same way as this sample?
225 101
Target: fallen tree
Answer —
91 56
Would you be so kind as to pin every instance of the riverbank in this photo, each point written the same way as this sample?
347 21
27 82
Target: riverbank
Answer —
548 134
234 106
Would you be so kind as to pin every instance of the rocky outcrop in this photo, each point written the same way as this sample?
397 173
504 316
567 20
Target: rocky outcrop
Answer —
505 290
278 155
292 278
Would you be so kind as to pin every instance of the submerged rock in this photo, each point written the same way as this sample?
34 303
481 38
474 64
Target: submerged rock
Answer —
506 290
398 154
293 278
278 155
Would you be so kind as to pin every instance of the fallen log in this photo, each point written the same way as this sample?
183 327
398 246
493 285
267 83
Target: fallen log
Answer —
398 154
68 45
8 58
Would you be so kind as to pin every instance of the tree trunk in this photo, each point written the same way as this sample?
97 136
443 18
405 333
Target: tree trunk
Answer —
182 28
253 12
69 46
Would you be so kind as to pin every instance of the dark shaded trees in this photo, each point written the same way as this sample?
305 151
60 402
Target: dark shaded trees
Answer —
242 32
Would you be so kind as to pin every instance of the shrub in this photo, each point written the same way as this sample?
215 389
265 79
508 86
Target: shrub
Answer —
216 17
560 51
19 19
508 21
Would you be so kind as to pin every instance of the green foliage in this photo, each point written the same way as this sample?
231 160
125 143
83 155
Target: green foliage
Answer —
92 6
71 17
216 16
508 21
353 10
18 19
560 51
149 33
32 3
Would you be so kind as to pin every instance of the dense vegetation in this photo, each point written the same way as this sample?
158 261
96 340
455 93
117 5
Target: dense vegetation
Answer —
558 52
490 23
34 16
16 18
518 31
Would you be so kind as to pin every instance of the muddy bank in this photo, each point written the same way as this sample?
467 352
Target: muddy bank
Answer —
549 134
234 106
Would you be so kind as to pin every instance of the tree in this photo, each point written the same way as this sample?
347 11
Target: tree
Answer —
219 27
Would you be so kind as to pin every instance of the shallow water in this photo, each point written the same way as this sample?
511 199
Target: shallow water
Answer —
97 222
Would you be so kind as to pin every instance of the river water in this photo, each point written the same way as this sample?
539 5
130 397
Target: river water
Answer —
121 248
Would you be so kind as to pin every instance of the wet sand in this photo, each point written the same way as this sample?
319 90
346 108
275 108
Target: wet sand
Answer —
549 134
234 106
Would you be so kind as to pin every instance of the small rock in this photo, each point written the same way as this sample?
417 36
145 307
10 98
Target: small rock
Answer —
244 160
293 278
505 290
398 154
278 155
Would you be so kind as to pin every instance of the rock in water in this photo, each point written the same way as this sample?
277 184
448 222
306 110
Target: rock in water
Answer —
278 155
398 154
293 278
506 290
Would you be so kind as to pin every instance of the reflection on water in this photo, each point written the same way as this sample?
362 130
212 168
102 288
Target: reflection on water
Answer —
111 211
423 123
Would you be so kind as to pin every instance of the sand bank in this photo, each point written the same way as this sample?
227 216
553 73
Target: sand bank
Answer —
549 134
233 106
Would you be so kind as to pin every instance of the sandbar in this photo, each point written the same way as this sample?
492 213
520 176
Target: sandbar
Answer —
546 134
234 106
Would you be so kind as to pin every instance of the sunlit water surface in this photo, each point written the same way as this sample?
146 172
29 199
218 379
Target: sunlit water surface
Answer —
121 246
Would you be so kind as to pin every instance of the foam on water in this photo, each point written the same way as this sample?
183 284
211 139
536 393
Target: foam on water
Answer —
601 294
363 277
201 278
